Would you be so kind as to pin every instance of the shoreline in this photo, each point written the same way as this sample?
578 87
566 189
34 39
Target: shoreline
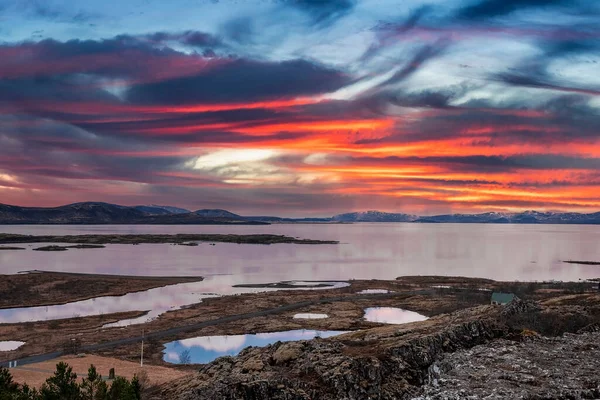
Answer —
35 288
178 239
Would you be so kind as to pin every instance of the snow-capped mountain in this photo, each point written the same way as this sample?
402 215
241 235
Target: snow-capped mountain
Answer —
526 217
373 216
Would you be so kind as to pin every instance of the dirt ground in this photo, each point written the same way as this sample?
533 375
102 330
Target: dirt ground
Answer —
40 288
36 374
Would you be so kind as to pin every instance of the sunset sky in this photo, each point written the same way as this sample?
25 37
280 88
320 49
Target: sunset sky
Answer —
302 107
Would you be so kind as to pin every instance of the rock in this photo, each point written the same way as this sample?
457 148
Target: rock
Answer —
595 327
463 355
287 352
375 364
518 306
535 369
253 364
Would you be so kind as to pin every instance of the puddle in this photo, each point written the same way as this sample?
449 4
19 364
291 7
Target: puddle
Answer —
204 349
374 291
154 302
310 316
10 345
319 284
390 315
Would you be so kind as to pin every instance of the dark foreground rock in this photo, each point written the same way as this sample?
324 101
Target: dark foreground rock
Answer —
409 361
565 367
385 363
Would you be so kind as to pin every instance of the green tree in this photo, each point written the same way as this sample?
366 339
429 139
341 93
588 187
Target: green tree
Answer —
90 385
6 382
102 391
63 385
27 393
121 389
136 385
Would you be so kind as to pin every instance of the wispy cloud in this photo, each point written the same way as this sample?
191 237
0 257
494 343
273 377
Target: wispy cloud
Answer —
451 106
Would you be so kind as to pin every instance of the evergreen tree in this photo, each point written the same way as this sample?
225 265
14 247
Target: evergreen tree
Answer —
137 387
90 384
121 389
27 393
102 391
63 385
6 381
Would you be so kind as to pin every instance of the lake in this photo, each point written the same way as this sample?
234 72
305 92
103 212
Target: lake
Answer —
367 251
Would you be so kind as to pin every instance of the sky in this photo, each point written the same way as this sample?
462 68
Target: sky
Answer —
302 107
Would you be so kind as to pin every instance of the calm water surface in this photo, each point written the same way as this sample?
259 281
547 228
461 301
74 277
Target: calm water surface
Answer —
154 301
9 345
204 349
391 315
379 251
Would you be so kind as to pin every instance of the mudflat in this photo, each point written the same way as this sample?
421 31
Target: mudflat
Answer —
149 238
40 288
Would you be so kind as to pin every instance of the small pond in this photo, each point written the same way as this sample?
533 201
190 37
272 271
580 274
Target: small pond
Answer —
10 345
391 315
204 349
374 291
310 316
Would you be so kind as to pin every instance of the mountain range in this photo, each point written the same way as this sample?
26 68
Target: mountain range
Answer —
105 213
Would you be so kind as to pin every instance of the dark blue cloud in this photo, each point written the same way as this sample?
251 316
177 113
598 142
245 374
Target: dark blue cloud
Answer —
324 10
497 8
242 80
493 163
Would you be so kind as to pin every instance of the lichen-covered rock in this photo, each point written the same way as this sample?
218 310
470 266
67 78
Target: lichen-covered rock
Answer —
540 368
595 327
288 352
518 306
253 364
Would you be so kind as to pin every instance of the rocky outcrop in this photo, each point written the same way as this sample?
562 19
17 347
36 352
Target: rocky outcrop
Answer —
431 359
518 306
385 363
565 367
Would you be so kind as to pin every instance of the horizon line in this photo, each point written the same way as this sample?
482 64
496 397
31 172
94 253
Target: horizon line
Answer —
320 217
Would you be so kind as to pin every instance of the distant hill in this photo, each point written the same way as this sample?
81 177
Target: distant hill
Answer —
92 213
162 210
78 213
216 213
492 217
527 217
105 213
374 216
219 213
